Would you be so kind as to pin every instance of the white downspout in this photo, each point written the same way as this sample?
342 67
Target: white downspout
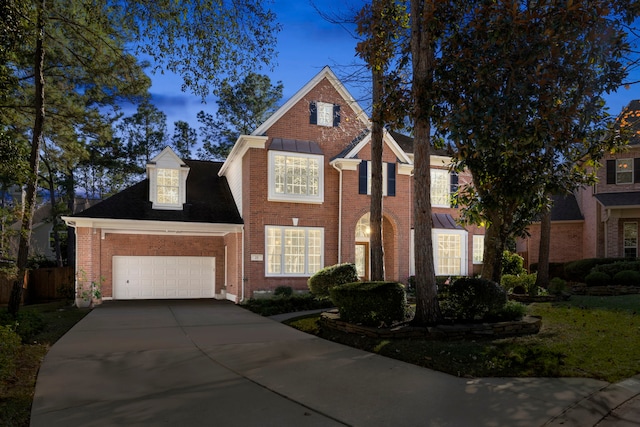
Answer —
242 275
339 215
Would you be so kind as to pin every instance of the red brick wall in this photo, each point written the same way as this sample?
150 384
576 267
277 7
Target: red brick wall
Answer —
566 242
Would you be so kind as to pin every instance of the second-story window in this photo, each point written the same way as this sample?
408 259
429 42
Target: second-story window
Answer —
295 177
624 171
168 186
324 114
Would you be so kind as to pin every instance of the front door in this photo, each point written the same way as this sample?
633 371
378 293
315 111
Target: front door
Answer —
362 260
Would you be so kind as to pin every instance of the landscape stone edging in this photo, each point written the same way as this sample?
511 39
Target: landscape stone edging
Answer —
529 325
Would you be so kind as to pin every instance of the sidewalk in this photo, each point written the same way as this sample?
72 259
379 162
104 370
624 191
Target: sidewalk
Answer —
202 363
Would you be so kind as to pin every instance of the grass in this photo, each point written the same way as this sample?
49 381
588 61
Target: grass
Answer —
586 336
16 391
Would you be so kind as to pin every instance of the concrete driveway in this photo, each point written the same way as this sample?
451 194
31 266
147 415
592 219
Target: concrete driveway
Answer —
212 363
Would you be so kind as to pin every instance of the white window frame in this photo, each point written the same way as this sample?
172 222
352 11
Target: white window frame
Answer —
324 111
295 198
385 174
437 199
281 251
154 188
173 193
625 244
435 233
478 248
626 172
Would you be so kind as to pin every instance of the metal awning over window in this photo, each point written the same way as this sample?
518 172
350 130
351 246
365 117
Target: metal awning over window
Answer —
445 221
295 146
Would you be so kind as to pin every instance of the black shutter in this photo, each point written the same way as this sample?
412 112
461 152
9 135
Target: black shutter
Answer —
636 170
313 113
336 116
453 179
362 177
611 171
391 179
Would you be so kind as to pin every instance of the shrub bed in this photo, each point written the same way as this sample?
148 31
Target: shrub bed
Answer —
370 303
470 299
321 282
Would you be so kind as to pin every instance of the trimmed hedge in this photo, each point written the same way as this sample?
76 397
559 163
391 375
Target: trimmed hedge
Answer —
616 267
597 278
577 271
627 278
322 281
370 303
526 282
474 299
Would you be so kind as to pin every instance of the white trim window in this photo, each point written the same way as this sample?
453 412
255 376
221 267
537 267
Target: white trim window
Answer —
440 188
168 186
293 251
630 239
296 177
478 248
624 171
325 114
450 252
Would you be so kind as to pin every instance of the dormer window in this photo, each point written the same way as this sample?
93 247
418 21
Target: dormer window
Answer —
168 186
167 175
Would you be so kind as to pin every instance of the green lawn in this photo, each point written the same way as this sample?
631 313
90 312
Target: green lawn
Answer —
592 337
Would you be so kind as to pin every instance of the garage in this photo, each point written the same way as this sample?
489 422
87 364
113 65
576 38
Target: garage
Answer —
163 277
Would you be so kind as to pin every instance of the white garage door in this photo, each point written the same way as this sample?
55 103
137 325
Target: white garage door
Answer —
158 277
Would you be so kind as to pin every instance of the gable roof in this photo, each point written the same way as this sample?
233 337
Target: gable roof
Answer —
353 148
331 77
209 200
565 208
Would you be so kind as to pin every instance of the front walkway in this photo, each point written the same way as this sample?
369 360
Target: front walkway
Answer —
202 363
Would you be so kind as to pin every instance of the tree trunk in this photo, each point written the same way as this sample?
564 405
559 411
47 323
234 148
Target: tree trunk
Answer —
375 215
427 307
34 160
493 248
54 215
542 279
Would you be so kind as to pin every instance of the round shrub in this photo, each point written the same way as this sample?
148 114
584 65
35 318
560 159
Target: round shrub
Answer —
322 281
512 263
557 286
370 303
627 278
512 310
597 278
577 271
474 299
283 291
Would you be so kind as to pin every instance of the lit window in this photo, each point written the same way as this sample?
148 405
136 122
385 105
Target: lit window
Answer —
630 239
363 229
450 252
295 178
440 188
478 249
168 186
624 171
325 114
293 251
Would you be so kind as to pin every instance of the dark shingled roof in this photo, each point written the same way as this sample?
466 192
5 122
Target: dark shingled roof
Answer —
406 143
209 200
619 199
565 208
352 144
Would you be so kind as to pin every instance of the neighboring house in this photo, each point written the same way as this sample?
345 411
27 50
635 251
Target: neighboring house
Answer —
42 239
600 220
290 199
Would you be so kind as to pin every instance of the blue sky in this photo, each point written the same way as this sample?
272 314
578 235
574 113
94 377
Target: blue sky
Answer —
306 43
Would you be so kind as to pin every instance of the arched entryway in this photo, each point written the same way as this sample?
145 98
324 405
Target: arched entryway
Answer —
363 248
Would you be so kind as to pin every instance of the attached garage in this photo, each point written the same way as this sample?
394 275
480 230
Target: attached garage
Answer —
163 277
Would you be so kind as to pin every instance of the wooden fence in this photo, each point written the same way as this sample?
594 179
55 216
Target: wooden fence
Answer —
43 284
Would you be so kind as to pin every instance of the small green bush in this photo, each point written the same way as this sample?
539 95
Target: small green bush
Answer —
512 310
627 278
370 303
522 284
597 278
9 347
557 286
474 299
283 291
512 263
577 271
273 306
322 281
28 324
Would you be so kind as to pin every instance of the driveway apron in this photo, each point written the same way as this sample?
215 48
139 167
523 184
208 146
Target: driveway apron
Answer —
212 363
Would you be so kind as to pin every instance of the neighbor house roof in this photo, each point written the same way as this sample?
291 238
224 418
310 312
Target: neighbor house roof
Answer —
406 143
629 119
624 200
565 208
209 200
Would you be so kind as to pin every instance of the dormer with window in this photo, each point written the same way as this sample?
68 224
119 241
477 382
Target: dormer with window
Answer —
167 175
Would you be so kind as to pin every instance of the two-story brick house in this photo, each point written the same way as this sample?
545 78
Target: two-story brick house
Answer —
600 220
291 198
